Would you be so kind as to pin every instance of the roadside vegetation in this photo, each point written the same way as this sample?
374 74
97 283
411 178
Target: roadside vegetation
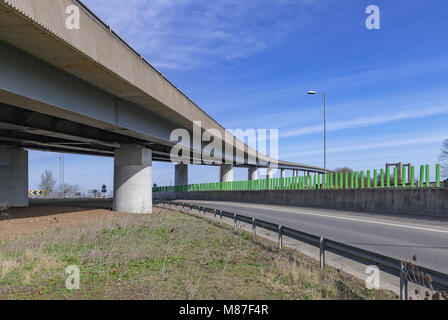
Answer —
167 255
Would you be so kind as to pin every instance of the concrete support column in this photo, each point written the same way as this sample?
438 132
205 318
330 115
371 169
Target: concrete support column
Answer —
295 173
133 179
181 174
226 173
253 173
270 173
283 173
13 177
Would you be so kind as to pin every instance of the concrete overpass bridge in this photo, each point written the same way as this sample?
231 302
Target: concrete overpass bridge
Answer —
88 92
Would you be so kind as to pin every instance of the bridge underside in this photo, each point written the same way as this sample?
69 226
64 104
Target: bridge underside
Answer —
33 130
93 98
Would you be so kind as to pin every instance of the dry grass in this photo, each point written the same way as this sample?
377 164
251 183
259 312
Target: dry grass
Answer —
166 255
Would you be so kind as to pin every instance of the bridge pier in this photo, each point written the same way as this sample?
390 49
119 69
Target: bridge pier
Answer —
226 172
295 173
253 173
13 177
270 173
283 173
133 179
181 174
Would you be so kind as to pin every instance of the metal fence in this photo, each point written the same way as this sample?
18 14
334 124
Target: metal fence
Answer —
370 179
384 263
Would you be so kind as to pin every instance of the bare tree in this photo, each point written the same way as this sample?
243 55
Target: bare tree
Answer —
443 157
70 189
47 183
343 170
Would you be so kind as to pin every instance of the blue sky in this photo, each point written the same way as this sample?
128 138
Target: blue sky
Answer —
249 64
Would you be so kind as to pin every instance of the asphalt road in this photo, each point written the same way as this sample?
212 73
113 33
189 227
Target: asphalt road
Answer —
400 237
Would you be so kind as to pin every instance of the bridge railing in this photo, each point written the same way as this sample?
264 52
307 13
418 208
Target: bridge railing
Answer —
393 266
370 179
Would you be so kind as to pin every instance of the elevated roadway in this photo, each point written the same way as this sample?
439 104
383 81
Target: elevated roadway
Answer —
86 91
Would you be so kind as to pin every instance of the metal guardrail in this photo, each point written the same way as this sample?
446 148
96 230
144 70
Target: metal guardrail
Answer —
387 264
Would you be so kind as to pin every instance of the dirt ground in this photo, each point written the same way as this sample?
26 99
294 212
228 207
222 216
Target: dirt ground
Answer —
46 215
166 255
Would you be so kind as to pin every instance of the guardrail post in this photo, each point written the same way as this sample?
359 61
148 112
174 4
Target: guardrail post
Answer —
220 216
214 214
280 237
322 253
403 283
254 228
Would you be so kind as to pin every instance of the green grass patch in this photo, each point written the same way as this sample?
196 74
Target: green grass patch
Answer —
166 255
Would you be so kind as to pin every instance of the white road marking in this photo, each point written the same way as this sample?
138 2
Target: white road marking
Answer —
343 218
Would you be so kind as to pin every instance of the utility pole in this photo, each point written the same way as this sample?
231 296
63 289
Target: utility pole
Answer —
61 173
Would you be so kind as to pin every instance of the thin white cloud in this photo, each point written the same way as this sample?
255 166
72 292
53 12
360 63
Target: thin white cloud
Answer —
398 142
363 77
366 121
188 33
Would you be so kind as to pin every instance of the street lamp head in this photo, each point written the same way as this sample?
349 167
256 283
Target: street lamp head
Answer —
312 92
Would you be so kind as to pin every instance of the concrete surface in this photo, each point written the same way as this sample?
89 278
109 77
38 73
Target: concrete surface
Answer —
181 174
13 177
96 56
226 172
252 173
133 179
418 201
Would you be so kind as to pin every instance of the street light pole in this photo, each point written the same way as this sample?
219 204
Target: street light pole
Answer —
325 137
325 133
